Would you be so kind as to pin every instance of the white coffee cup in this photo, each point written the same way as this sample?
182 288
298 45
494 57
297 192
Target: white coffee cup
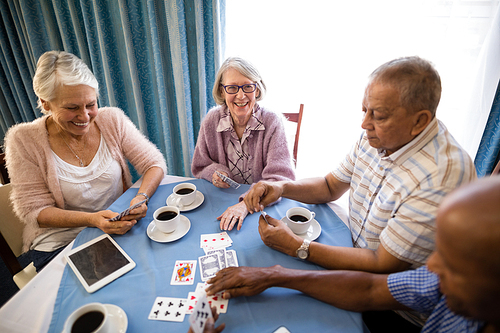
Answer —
94 317
299 219
166 218
184 194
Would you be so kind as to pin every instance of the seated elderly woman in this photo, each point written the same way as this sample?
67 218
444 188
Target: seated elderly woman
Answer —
240 139
68 166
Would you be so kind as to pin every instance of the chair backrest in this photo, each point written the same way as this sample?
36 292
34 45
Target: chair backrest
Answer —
296 117
3 170
496 171
10 226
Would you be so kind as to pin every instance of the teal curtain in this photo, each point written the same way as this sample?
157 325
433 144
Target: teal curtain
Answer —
156 60
488 152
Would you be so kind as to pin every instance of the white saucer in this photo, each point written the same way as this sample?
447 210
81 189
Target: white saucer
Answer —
312 233
196 203
118 316
182 228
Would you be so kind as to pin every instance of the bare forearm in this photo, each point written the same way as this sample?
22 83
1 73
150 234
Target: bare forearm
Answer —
336 257
150 181
349 290
310 191
54 217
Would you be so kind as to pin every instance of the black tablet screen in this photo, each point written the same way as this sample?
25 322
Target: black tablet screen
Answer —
98 260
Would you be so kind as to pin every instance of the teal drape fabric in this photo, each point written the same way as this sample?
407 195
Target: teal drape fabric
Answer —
487 153
155 59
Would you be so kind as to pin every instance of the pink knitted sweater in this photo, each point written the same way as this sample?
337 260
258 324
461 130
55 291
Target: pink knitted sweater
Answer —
270 155
32 169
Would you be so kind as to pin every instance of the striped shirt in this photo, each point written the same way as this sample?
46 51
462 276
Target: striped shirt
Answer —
393 199
419 290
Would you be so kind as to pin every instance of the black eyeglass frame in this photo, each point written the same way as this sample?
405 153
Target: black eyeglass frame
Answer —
254 85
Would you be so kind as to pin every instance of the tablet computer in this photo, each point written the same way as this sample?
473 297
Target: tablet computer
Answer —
98 262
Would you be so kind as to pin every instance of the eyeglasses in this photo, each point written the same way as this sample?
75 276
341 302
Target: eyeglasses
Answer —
233 89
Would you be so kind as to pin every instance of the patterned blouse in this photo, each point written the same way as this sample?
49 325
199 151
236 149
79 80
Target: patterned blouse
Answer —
237 151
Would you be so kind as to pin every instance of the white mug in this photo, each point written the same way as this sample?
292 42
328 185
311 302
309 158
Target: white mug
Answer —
92 317
166 218
184 194
299 219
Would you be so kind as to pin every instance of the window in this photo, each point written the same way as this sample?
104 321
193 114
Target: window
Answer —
327 49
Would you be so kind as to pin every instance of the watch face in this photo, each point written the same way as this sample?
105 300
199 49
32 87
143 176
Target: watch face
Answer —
302 254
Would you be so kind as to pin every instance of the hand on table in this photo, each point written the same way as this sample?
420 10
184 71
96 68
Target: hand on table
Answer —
233 214
277 235
262 194
218 182
210 325
241 281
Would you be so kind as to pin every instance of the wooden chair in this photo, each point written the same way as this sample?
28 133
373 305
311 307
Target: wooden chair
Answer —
296 118
11 240
496 171
3 170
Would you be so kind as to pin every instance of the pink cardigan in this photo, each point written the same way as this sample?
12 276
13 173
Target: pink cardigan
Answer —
269 149
32 169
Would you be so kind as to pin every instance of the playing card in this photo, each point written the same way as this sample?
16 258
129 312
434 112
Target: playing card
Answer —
126 211
214 300
231 259
191 302
222 256
215 241
168 309
228 180
219 302
201 313
209 266
184 272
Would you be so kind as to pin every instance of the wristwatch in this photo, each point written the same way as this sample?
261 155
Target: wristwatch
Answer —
303 250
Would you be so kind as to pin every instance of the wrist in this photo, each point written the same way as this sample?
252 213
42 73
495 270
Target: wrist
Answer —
143 195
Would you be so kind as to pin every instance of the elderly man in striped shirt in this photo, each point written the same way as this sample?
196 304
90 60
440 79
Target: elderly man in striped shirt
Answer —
398 172
458 290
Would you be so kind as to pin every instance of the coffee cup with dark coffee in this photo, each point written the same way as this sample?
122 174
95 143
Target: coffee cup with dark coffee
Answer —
299 219
184 194
166 218
92 317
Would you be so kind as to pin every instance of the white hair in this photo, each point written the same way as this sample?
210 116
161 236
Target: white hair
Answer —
57 68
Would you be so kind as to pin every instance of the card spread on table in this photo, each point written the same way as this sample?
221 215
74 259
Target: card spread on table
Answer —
184 272
209 266
201 313
215 241
222 256
168 309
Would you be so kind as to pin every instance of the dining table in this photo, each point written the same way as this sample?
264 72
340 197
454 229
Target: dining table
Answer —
47 301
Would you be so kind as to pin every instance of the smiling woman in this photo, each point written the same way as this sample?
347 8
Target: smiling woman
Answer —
239 139
68 166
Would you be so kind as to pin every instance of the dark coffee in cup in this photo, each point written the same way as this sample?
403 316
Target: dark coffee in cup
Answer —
88 322
184 191
165 216
298 218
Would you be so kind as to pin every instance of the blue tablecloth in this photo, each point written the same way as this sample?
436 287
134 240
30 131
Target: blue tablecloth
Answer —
136 291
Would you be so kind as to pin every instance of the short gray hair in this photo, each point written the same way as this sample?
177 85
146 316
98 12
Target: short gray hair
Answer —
416 80
56 68
244 68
